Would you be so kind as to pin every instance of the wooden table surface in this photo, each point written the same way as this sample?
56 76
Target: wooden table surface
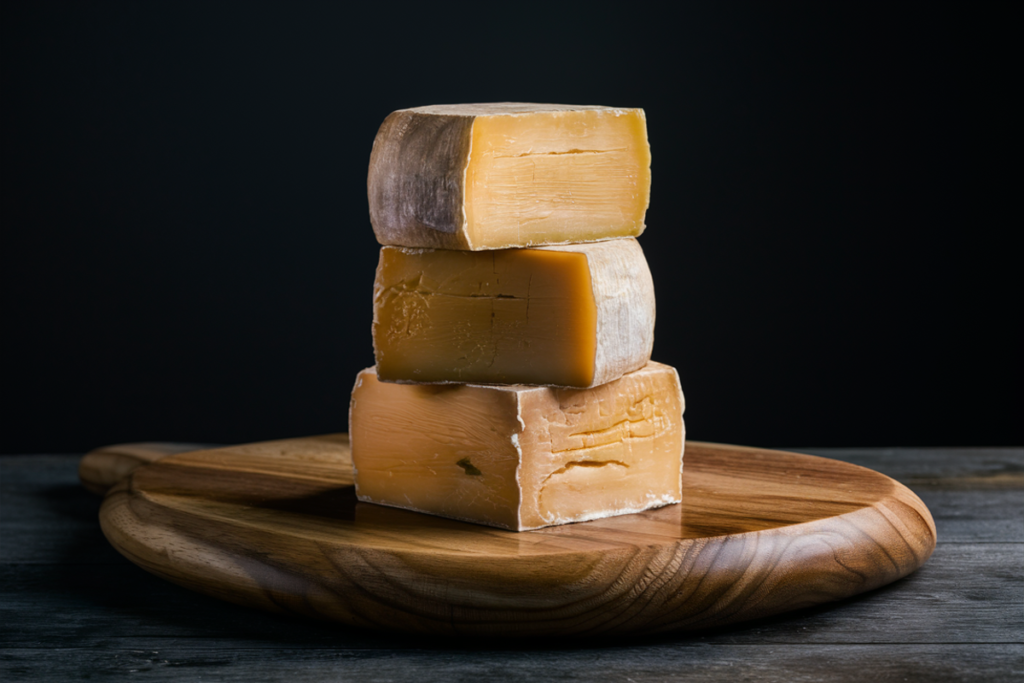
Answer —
73 609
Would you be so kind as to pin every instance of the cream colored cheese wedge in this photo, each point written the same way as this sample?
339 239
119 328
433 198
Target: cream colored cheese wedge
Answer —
509 174
519 457
574 315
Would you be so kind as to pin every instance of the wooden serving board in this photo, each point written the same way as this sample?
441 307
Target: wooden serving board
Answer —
276 525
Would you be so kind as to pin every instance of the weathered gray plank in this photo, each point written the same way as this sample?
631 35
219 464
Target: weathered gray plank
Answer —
695 662
45 514
965 594
974 516
923 466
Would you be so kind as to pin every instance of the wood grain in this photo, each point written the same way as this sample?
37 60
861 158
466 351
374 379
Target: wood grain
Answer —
100 469
276 525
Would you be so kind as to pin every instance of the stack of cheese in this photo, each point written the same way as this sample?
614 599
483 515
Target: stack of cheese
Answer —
513 384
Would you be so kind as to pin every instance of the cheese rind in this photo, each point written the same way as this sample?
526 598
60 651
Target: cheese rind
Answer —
508 174
574 315
518 457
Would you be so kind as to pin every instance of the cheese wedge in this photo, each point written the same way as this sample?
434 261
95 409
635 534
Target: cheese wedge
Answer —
509 174
574 315
519 457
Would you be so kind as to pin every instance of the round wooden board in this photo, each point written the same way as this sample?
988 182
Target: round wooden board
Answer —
276 525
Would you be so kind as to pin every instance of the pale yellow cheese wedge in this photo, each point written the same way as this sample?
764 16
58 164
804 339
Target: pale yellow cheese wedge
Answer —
519 457
509 174
572 315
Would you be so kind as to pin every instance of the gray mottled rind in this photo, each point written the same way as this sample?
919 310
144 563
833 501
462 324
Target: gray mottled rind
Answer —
417 178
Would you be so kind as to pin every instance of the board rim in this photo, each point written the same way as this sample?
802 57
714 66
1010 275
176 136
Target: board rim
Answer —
125 506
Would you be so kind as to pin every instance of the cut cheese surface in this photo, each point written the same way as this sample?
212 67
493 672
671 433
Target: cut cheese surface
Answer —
520 457
508 174
572 315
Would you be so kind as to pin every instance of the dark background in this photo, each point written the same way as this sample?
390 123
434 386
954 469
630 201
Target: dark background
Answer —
834 227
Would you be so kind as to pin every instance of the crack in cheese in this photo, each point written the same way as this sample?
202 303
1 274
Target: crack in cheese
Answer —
573 315
508 174
520 457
